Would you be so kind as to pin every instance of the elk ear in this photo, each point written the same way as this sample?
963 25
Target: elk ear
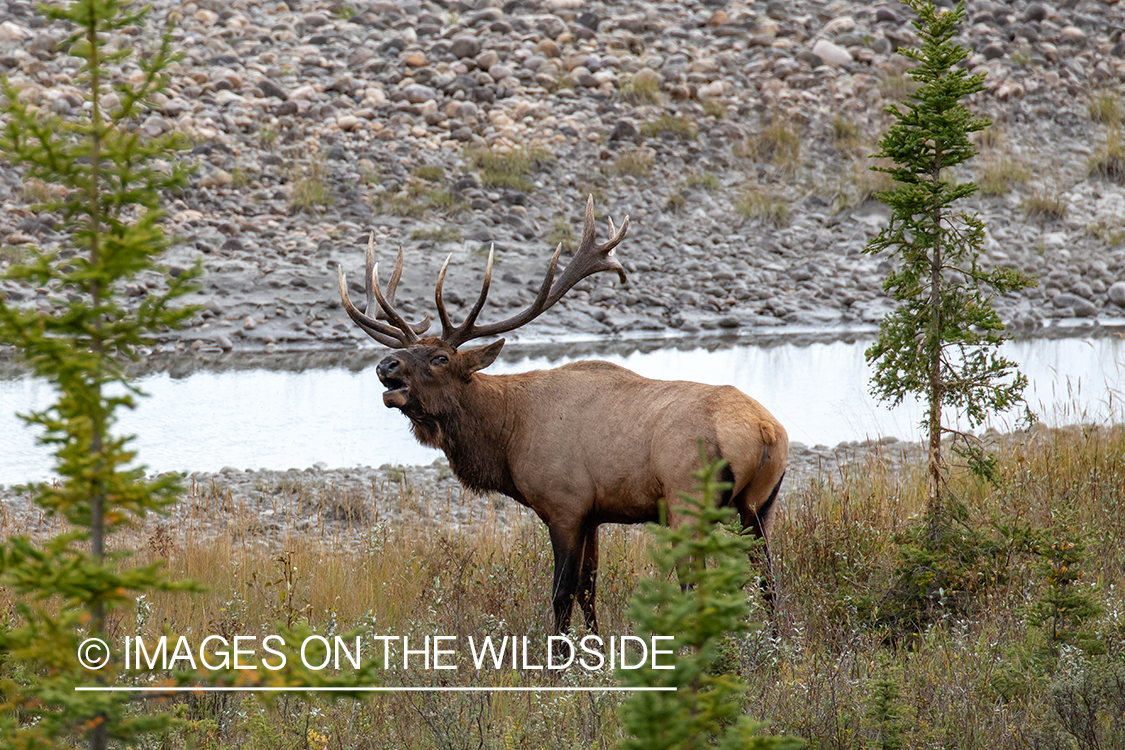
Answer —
481 357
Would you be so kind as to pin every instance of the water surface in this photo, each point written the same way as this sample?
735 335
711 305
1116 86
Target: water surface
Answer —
334 415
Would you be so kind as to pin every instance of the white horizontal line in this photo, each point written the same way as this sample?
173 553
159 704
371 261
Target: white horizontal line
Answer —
373 689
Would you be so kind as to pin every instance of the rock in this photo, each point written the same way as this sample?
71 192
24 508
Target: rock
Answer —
314 20
810 58
1116 293
1082 308
841 25
269 88
589 20
155 126
646 78
416 93
831 54
12 32
993 51
464 46
548 48
1072 35
886 15
216 178
303 93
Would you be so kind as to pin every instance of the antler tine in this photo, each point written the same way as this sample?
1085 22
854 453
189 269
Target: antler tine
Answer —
443 316
454 336
381 332
590 258
409 332
399 334
369 265
392 285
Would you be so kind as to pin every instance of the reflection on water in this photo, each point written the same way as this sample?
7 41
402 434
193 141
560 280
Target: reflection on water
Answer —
334 414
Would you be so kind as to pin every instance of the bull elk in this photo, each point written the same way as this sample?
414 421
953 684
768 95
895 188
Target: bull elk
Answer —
581 445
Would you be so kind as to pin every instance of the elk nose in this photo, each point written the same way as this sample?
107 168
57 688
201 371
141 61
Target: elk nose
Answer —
387 368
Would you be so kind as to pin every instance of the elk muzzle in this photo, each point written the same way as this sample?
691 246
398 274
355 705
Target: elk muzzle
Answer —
390 374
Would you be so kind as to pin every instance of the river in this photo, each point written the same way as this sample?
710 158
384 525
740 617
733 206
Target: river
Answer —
231 413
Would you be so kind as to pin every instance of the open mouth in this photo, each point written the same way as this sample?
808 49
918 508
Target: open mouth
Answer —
397 392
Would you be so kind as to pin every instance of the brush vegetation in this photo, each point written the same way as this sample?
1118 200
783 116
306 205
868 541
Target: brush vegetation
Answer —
1005 670
508 170
1044 205
779 143
675 127
635 162
1109 162
310 187
758 203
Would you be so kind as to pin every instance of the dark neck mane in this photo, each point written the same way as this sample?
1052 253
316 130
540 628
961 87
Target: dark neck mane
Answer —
474 435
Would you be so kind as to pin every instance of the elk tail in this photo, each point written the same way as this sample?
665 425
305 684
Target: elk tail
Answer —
769 437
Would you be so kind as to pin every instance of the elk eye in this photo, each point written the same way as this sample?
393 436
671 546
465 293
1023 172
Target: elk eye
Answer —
439 360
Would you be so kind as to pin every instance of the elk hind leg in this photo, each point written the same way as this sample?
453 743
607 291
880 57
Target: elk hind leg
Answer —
566 544
759 520
588 576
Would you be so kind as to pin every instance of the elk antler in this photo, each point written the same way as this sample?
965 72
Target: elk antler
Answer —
399 334
589 259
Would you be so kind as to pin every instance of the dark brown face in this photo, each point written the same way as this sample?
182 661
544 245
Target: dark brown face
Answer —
427 377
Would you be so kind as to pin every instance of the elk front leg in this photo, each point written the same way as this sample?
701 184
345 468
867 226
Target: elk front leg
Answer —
567 546
588 577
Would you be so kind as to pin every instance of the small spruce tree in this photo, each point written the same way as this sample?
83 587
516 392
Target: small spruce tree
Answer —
81 337
702 610
942 340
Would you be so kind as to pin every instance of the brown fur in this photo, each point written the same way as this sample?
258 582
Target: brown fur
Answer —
585 444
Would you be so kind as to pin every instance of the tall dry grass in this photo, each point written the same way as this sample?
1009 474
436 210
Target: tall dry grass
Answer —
337 561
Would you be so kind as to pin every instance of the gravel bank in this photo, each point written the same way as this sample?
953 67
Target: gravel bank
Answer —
734 135
349 505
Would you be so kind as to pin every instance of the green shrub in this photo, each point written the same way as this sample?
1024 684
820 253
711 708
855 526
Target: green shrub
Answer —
310 189
680 127
74 582
701 611
430 173
947 563
561 233
704 180
508 170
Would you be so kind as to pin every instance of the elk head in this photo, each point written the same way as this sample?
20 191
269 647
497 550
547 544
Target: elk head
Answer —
425 375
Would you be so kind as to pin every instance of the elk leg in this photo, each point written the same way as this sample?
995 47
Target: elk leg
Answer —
567 546
588 576
760 521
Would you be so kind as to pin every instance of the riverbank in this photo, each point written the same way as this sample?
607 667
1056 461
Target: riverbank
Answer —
735 137
269 506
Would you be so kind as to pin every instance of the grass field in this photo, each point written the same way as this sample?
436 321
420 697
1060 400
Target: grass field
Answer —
836 667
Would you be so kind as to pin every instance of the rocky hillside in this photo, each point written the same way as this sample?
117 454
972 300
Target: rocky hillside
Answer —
734 135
